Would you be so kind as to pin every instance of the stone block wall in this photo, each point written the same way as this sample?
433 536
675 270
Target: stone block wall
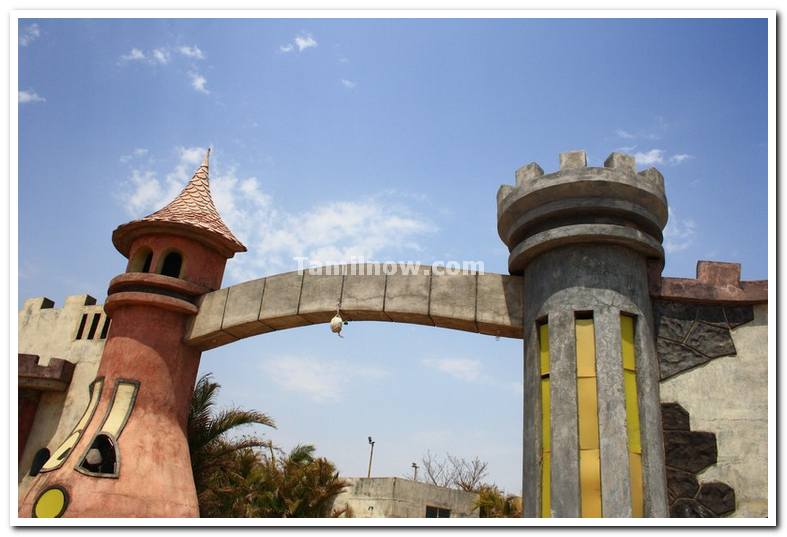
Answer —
728 396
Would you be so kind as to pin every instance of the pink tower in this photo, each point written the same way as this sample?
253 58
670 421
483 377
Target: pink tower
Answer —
128 454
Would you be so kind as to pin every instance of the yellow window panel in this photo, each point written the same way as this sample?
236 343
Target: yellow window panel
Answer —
64 450
545 415
546 489
635 472
587 413
590 483
627 341
586 348
122 404
543 341
632 411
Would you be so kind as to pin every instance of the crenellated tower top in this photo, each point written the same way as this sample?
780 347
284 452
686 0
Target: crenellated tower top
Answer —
581 204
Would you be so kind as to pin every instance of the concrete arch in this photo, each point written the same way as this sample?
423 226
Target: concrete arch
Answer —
484 303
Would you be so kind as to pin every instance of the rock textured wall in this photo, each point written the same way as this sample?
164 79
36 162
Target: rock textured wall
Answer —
725 395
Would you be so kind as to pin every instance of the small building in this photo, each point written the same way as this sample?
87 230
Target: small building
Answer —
395 497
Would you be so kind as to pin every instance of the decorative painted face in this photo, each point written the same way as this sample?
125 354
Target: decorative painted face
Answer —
102 457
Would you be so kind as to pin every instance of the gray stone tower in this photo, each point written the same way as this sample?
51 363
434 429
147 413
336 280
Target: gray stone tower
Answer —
584 239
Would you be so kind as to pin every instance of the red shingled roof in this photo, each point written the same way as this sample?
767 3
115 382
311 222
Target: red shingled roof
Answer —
192 208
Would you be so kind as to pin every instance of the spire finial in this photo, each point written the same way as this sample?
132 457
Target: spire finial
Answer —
207 158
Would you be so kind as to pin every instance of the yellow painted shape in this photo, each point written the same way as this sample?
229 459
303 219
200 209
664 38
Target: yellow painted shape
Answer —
121 407
50 504
627 341
587 413
545 416
546 488
586 348
632 411
590 483
543 342
635 473
56 459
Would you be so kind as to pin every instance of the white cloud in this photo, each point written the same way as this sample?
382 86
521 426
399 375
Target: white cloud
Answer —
192 52
136 153
160 55
344 60
30 96
679 158
134 56
321 379
198 82
460 368
654 156
624 134
377 228
679 233
349 84
303 42
28 34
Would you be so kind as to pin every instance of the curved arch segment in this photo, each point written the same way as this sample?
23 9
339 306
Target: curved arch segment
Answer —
484 303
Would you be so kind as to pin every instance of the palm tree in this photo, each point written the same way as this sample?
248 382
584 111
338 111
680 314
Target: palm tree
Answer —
213 453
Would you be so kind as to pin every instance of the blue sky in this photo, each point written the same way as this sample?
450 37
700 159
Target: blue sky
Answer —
382 138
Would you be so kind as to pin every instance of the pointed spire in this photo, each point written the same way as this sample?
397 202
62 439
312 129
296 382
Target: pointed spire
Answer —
193 208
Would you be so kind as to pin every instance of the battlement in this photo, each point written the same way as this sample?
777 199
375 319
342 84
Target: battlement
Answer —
580 203
74 332
574 163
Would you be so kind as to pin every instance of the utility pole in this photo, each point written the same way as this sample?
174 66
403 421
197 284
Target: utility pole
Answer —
371 454
415 472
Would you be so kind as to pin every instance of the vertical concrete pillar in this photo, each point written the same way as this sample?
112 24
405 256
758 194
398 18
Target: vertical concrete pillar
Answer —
583 239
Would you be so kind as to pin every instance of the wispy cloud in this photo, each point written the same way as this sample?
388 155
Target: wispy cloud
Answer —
654 156
679 233
134 55
28 34
624 134
192 52
460 368
329 232
679 158
301 42
198 82
160 55
139 152
323 380
349 84
30 96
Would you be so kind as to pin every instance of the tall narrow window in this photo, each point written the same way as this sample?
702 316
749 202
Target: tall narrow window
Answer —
546 448
94 326
171 265
632 414
81 328
587 402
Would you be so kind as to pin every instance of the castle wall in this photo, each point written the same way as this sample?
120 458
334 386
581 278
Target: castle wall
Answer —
728 396
52 333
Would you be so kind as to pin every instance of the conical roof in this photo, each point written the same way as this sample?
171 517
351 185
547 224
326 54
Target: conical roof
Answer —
191 213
